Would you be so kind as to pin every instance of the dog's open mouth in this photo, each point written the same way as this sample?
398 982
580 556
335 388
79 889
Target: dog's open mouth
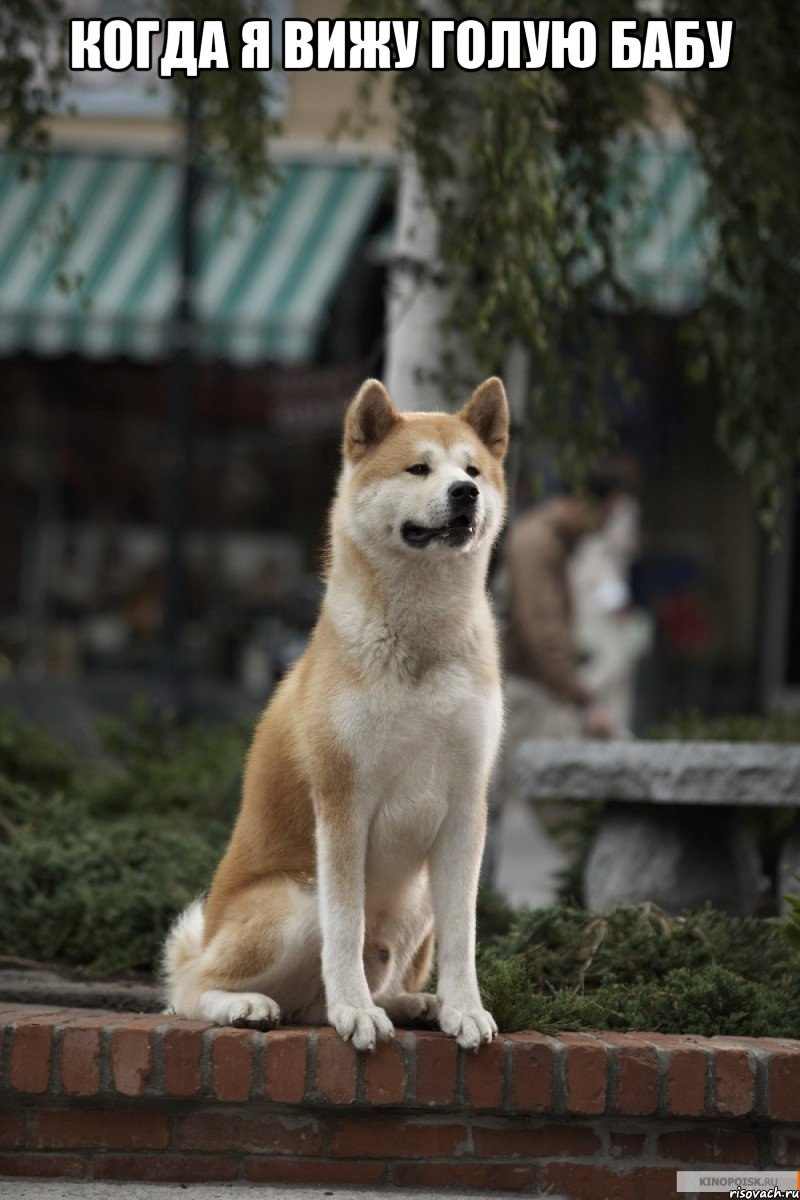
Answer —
456 532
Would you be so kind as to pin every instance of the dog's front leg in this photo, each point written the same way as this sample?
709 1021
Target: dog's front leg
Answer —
341 858
454 866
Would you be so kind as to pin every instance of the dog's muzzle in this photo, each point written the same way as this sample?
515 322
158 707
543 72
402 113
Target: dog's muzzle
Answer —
461 525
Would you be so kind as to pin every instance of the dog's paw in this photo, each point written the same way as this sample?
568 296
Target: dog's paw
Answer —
413 1006
249 1009
469 1026
361 1026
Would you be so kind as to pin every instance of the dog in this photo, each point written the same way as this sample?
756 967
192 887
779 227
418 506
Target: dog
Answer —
363 812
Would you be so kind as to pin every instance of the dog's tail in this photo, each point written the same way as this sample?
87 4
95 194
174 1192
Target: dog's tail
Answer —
180 959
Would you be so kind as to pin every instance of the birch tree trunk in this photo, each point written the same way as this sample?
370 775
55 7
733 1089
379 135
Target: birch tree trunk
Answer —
417 300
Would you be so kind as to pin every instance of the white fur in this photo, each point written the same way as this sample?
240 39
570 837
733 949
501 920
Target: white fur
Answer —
184 943
421 728
239 1008
423 732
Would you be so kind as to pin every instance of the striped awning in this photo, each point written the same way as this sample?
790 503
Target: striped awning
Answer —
89 257
663 245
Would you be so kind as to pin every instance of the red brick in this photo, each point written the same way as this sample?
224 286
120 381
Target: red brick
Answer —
531 1073
98 1018
50 1166
232 1063
80 1061
784 1085
166 1168
12 1128
626 1145
484 1075
437 1065
385 1073
658 1183
91 1019
709 1146
374 1137
584 1182
534 1141
734 1083
506 1176
580 1181
785 1148
266 1132
132 1058
337 1068
286 1065
31 1054
687 1059
637 1074
770 1044
74 1129
585 1074
313 1170
182 1048
687 1072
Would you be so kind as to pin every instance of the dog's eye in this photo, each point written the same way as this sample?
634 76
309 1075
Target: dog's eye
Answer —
419 469
472 471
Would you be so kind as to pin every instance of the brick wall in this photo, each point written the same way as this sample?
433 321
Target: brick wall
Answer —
104 1095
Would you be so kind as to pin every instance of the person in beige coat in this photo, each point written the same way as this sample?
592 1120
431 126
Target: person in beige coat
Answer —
546 693
612 633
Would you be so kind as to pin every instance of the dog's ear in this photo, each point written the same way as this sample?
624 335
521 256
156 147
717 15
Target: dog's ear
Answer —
369 418
487 412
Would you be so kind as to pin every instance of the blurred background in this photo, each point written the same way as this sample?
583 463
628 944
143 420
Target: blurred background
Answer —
195 276
176 358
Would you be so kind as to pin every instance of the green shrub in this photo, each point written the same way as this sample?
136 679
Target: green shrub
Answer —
567 947
30 756
637 968
95 863
100 895
160 765
710 1002
692 725
96 860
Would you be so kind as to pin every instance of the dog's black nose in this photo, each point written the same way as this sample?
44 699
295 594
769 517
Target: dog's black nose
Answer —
462 494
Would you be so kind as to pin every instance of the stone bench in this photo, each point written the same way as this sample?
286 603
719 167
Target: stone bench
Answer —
672 832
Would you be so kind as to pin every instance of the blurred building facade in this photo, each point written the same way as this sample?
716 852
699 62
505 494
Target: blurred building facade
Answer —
289 316
290 304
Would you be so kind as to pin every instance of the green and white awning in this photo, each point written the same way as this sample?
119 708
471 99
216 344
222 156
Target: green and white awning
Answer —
663 246
89 253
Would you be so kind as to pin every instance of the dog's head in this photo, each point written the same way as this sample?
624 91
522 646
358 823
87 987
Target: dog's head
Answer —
424 484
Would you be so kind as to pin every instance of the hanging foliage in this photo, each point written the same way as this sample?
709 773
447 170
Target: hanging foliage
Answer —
520 169
31 71
745 122
236 106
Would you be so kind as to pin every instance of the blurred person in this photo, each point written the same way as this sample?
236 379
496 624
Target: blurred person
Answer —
611 634
547 695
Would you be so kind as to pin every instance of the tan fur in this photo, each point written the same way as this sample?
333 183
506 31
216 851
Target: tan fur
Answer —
301 782
418 973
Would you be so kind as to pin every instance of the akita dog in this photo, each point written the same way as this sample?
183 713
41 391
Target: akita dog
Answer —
364 799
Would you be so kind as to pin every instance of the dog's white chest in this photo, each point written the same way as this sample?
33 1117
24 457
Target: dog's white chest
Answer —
415 750
392 731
